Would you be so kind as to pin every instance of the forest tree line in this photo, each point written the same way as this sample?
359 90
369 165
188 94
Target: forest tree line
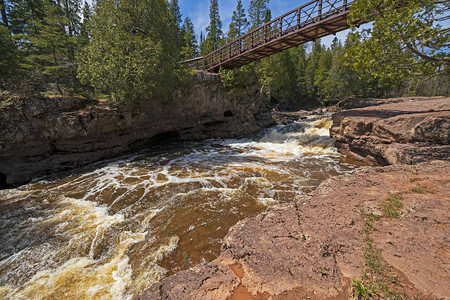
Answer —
128 49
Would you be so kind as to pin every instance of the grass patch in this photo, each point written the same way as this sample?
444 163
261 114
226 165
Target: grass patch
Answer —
392 205
363 290
421 189
377 280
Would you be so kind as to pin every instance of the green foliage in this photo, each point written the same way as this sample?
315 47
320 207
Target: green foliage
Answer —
421 189
190 46
177 20
9 57
54 46
276 75
363 291
237 80
239 23
131 50
406 38
214 30
258 12
83 38
133 53
377 281
392 205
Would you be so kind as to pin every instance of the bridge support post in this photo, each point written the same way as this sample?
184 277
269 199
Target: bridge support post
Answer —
320 11
265 33
281 27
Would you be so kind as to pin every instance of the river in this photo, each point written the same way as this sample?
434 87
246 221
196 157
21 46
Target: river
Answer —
109 230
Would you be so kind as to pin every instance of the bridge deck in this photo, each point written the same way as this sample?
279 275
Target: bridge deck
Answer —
313 20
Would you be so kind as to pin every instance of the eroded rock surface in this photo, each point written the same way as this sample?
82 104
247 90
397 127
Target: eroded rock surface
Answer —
406 132
43 136
317 245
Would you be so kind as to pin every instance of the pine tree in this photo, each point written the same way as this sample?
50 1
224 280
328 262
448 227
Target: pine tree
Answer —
83 38
321 74
214 30
51 45
23 15
190 46
9 58
257 12
174 9
239 23
311 69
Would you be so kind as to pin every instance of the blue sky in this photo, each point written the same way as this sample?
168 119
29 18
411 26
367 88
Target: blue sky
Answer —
198 12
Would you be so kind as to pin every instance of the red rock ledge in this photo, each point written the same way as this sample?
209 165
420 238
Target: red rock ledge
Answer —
384 229
407 132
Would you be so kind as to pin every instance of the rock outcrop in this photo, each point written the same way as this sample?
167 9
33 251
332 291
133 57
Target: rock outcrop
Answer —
314 247
43 136
406 132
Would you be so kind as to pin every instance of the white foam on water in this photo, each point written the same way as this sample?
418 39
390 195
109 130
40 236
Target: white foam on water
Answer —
86 266
267 201
152 272
83 277
277 145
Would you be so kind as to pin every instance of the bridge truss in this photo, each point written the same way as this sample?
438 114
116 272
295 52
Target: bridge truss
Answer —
308 22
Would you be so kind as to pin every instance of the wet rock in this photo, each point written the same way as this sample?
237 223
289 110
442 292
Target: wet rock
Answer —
209 282
314 248
397 133
42 136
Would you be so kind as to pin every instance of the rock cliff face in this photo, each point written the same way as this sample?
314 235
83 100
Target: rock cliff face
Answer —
43 136
314 247
398 133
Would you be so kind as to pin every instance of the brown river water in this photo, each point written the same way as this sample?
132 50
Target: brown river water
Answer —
110 230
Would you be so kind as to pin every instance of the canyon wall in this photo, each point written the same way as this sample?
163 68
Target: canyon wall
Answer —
39 137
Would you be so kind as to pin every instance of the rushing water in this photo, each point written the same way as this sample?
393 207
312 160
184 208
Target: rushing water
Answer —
110 230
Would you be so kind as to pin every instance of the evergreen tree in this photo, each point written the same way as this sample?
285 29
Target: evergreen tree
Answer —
133 53
300 60
336 84
52 46
190 46
9 58
258 12
239 23
311 69
321 73
83 38
214 30
174 9
23 15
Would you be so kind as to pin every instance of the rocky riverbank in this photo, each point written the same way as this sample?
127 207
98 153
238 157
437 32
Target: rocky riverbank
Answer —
385 228
406 132
41 136
381 231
